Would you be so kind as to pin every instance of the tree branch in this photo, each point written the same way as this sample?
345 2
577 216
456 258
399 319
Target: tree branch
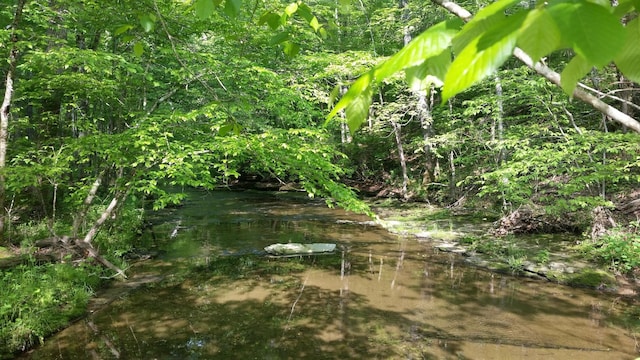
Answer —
86 242
615 114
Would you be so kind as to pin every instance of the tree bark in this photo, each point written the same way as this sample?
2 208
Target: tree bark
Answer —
608 110
86 242
4 113
403 161
423 108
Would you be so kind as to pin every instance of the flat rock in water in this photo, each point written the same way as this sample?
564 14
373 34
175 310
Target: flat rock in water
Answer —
302 249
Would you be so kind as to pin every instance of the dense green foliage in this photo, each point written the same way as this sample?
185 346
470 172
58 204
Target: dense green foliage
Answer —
38 300
119 103
619 249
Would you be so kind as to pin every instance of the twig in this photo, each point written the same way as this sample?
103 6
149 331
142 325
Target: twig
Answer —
298 298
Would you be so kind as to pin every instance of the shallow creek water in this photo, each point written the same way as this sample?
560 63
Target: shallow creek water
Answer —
380 296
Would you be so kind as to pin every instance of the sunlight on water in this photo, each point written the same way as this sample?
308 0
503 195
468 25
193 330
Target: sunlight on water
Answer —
379 297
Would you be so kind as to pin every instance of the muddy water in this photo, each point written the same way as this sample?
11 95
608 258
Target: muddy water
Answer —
379 297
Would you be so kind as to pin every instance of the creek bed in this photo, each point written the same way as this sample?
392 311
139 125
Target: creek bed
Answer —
380 296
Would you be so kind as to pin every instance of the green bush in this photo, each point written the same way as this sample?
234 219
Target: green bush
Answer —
620 248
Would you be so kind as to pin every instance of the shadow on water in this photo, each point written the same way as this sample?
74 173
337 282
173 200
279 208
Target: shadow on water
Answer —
380 297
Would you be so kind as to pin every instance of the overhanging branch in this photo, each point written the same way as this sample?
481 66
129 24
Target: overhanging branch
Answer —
608 110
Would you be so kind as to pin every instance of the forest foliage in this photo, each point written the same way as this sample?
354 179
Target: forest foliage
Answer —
115 105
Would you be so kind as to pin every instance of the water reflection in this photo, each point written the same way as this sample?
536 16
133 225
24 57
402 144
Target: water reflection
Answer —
380 297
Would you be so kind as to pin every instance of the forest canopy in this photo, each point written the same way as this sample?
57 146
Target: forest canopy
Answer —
108 104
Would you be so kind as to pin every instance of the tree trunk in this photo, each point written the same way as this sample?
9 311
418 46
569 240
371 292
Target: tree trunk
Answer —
345 134
403 161
499 118
423 107
4 113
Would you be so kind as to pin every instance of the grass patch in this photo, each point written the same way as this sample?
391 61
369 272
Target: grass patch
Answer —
591 279
39 300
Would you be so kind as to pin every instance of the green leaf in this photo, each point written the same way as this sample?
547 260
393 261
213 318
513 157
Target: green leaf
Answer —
359 87
279 38
138 49
628 61
482 22
148 22
204 8
225 129
305 11
291 9
232 7
430 43
315 25
291 49
539 35
497 7
561 13
123 29
482 56
271 19
575 70
597 35
334 94
358 110
432 71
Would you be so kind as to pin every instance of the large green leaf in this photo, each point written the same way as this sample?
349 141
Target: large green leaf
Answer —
482 22
432 71
628 61
305 11
279 38
539 35
358 110
204 8
430 43
561 13
359 87
591 30
138 49
598 35
482 56
575 70
232 7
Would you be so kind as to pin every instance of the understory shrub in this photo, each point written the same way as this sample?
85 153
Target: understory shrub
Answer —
619 248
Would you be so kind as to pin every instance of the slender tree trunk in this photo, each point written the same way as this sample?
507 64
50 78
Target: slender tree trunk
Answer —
423 106
426 123
500 132
4 113
403 161
500 120
345 134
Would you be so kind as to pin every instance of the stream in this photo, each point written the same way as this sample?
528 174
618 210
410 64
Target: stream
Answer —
214 294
